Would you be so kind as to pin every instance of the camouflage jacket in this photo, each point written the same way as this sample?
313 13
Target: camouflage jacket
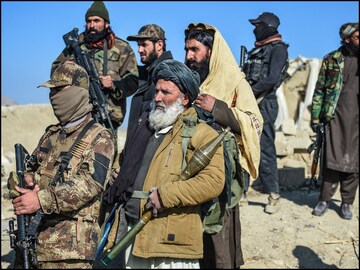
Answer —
328 87
69 228
121 66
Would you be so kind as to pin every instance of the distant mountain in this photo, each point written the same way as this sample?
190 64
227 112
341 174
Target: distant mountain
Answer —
7 101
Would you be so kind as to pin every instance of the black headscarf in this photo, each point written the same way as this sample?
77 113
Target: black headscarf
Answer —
186 79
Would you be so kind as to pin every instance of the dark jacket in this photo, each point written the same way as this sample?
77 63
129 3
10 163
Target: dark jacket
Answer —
146 91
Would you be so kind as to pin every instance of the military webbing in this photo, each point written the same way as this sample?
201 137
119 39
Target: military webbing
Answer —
66 159
105 58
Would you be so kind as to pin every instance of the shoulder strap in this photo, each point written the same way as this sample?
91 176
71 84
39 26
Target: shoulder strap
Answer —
66 159
188 129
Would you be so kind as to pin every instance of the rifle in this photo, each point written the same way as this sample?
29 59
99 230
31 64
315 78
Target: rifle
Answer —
243 52
316 146
200 159
100 112
23 240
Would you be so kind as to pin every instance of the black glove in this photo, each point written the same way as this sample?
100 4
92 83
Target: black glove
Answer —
315 127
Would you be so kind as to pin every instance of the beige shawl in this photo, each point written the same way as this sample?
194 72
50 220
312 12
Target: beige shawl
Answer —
224 81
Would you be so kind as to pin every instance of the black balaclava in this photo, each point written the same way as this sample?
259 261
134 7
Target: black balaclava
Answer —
263 31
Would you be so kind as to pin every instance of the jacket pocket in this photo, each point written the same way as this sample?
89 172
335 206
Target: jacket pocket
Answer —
179 230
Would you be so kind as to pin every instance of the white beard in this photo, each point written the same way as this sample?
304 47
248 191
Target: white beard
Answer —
160 119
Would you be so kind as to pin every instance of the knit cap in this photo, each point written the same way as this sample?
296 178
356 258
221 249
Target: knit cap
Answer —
98 9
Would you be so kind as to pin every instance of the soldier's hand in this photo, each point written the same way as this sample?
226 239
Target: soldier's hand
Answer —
107 82
28 202
29 179
154 202
114 175
205 101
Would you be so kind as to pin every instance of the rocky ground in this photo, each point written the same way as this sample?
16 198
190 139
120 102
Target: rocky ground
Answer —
292 238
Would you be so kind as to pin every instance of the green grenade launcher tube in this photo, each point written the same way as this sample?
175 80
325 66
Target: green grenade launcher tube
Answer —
200 159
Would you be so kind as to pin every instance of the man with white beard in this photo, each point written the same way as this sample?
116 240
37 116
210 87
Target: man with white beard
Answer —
151 163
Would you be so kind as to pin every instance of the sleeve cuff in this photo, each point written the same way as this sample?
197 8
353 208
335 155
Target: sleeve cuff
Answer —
46 201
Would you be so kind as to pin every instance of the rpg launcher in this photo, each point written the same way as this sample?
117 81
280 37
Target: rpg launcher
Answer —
198 161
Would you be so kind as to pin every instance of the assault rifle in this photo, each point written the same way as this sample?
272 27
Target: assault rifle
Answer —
316 146
243 52
23 240
100 111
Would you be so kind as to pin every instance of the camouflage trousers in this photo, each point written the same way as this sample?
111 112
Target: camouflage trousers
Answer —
66 264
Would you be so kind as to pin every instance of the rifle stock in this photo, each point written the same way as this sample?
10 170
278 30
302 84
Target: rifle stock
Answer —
100 111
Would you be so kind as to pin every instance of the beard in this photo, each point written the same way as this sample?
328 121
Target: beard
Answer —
159 119
353 48
150 59
201 67
90 37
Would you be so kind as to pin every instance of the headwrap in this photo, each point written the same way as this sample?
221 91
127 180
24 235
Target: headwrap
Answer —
186 79
226 81
347 29
70 104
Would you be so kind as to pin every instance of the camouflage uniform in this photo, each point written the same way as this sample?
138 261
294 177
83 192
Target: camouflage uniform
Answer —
69 229
121 66
328 87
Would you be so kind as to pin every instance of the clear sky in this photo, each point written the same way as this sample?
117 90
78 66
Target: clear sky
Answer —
31 31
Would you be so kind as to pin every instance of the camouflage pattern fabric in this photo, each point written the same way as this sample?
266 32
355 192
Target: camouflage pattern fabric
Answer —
68 74
70 264
328 87
70 229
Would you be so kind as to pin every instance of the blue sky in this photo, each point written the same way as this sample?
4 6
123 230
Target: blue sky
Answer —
31 32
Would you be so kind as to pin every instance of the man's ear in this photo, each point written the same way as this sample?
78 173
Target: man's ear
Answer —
209 51
185 101
159 45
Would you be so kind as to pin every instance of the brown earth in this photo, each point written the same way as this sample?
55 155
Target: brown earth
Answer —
292 238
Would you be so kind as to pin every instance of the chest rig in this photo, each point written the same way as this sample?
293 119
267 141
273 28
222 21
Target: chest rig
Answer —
257 65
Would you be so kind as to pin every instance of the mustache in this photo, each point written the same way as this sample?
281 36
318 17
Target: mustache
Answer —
192 63
90 30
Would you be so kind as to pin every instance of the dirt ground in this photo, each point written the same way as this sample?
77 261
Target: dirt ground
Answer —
291 238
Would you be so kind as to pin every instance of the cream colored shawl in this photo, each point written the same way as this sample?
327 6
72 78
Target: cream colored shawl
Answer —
224 81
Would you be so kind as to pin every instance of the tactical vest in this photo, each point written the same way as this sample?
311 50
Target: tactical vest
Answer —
90 211
257 65
214 210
